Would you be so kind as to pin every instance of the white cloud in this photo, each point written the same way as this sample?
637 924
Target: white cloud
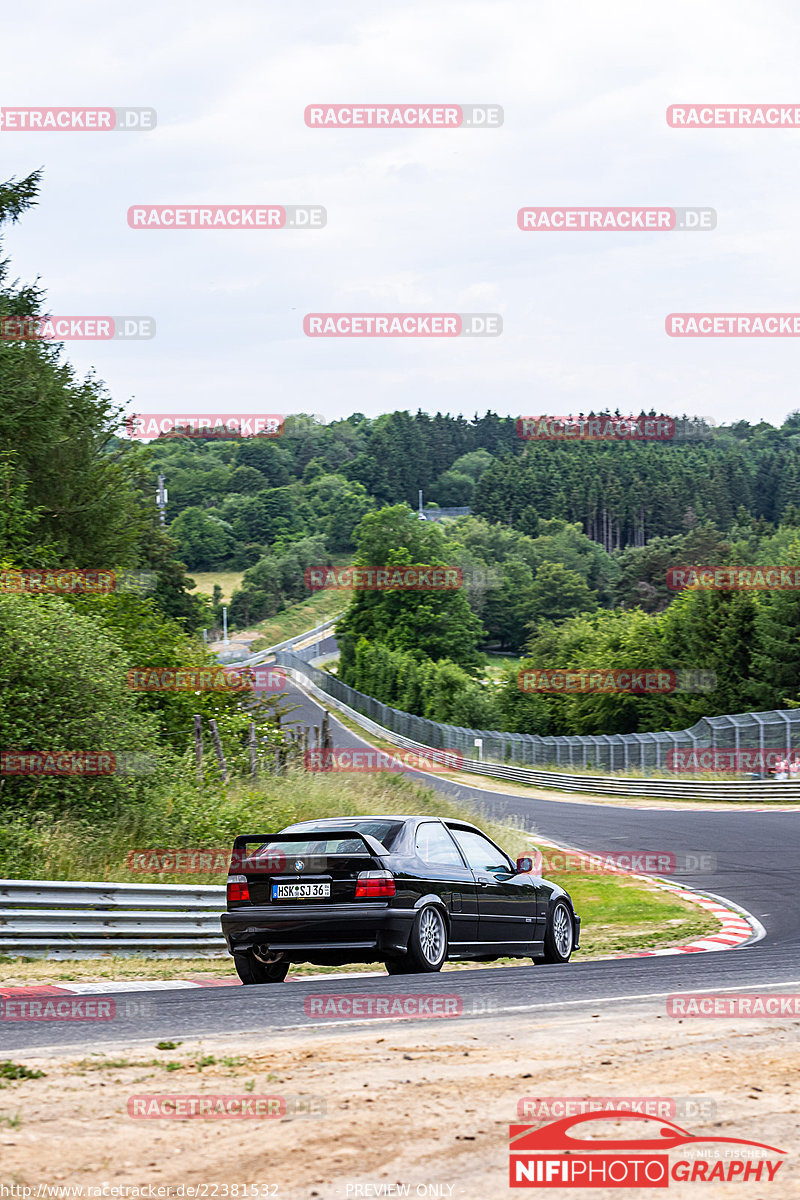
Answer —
416 220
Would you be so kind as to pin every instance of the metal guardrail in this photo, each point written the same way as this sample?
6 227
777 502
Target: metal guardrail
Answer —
43 919
260 655
607 785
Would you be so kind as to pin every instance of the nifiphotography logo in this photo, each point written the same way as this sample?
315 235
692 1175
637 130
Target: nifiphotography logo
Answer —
653 1154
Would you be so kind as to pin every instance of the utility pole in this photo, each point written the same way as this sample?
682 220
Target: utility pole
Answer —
162 495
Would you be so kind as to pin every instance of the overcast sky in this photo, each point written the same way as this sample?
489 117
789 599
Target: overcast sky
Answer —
417 220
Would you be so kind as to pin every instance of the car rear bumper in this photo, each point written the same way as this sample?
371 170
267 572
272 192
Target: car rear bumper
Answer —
370 926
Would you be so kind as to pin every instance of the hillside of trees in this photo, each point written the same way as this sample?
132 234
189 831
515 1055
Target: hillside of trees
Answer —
561 602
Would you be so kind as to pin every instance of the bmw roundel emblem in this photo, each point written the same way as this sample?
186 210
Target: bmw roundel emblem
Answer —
298 864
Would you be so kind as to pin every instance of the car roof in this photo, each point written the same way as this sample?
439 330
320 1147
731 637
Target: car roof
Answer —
394 818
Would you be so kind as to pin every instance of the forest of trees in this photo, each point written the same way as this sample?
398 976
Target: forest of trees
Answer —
624 494
561 602
257 505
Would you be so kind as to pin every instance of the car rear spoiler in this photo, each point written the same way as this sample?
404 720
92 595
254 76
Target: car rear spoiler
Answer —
241 843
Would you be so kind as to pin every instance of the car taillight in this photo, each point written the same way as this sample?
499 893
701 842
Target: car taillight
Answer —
238 891
372 884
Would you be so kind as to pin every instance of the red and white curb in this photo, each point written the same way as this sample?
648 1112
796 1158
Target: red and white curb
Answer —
737 925
152 985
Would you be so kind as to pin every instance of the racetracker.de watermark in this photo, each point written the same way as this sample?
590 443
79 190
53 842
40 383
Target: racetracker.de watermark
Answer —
611 220
217 679
761 759
345 759
551 1108
88 763
638 681
197 860
595 428
734 579
403 116
57 1008
206 1107
340 1006
430 325
76 329
35 581
14 1006
383 579
733 116
71 120
624 862
729 1004
227 216
737 325
144 426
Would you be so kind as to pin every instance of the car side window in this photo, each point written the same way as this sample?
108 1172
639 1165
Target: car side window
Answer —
479 851
435 846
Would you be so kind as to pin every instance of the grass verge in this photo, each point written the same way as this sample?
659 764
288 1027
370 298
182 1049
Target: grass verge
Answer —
297 619
227 580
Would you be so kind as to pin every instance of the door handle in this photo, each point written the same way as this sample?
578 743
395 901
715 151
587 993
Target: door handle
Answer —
486 882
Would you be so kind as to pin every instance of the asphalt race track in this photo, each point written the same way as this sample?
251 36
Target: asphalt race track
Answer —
757 866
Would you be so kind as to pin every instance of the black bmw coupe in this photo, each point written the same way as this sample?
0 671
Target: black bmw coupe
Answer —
411 892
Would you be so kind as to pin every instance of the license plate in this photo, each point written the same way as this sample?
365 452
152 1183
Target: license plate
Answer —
300 891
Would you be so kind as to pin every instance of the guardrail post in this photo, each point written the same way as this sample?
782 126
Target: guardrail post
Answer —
217 740
253 751
198 747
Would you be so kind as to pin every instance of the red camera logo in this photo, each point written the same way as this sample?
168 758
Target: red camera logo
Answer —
555 1156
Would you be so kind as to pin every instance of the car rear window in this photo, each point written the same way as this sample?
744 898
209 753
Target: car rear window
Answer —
320 843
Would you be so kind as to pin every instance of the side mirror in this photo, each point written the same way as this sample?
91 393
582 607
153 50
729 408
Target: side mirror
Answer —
524 865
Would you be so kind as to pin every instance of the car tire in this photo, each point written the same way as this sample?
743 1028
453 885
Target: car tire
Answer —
427 944
251 970
559 936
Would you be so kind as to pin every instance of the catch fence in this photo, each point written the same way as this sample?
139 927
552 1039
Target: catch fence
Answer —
645 752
